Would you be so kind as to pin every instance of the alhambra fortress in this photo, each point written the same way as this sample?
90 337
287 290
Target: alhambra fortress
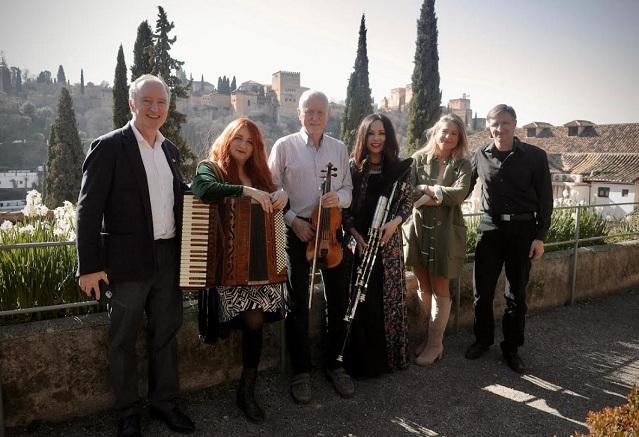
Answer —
278 99
590 163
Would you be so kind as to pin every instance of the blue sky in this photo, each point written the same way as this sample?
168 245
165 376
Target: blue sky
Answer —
554 61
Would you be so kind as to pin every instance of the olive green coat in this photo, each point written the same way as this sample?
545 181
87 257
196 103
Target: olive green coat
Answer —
435 236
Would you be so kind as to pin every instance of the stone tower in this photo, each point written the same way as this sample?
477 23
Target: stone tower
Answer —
286 85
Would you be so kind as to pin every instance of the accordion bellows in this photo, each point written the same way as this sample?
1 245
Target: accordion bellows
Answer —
231 243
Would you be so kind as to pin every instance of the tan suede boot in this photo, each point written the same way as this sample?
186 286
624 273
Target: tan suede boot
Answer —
427 310
439 319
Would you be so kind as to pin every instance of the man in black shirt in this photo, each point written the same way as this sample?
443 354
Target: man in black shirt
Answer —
516 199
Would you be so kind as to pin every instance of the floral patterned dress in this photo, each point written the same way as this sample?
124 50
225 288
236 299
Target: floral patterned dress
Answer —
379 332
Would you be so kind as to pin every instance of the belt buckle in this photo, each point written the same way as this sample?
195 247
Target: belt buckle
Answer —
506 217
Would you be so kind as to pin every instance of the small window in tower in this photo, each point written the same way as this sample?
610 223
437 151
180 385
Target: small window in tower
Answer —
573 131
603 192
624 193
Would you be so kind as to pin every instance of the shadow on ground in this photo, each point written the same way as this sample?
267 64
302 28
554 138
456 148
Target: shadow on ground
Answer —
581 358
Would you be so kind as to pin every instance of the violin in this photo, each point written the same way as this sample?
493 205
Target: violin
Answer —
325 250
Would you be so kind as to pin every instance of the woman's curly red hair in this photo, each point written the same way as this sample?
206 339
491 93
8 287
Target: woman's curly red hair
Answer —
255 167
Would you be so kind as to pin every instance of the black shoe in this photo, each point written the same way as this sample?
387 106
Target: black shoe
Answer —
246 397
513 360
129 426
342 382
475 351
174 419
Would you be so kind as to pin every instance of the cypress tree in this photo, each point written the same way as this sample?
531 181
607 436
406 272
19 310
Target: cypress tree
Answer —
64 168
5 75
44 77
164 66
81 82
359 102
121 112
219 84
233 84
18 79
202 85
424 107
142 51
62 78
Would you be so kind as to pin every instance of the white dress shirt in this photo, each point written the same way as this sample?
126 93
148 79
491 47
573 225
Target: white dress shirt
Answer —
296 165
159 178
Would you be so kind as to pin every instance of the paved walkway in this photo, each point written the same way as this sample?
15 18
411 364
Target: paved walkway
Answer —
582 357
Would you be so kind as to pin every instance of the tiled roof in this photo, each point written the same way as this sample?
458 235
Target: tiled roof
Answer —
603 153
538 124
603 167
579 123
602 138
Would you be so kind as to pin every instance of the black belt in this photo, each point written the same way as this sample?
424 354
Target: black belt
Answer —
517 217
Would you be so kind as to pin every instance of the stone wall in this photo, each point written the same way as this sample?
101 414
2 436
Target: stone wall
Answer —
601 270
57 369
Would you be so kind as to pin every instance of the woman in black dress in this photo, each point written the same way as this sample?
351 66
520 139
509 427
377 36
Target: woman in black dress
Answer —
379 332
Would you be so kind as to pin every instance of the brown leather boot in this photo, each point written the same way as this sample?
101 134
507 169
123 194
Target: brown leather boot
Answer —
435 347
427 309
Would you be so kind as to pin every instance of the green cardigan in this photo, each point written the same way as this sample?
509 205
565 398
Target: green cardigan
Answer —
210 186
436 236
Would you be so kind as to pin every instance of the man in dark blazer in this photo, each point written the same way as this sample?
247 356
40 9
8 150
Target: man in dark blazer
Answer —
128 219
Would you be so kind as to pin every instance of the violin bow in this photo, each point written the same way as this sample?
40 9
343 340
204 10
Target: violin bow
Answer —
311 285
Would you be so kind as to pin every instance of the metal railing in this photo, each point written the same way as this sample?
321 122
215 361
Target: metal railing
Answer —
574 242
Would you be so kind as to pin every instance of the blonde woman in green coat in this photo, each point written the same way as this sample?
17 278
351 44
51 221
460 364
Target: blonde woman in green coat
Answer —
435 234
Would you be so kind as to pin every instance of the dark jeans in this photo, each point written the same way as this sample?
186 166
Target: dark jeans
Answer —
297 321
161 299
507 245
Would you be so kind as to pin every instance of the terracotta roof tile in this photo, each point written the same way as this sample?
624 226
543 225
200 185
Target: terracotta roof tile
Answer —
606 152
603 167
603 138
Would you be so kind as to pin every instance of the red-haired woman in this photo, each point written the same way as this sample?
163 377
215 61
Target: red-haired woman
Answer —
237 167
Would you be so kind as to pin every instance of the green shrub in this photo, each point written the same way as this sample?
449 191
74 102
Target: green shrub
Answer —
562 227
31 277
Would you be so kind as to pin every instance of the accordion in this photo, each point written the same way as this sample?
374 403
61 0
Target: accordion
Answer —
231 243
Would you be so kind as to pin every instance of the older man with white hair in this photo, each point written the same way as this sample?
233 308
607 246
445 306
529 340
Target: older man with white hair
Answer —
296 162
128 213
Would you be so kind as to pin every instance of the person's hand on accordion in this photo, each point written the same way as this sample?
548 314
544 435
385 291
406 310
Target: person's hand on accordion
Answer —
261 197
279 199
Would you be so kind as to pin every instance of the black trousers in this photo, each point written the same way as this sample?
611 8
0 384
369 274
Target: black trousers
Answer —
159 297
297 321
509 246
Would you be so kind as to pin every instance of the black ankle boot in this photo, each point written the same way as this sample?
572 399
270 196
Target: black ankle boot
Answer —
246 396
